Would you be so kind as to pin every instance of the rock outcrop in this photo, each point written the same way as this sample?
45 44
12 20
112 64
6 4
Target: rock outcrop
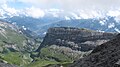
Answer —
105 55
75 38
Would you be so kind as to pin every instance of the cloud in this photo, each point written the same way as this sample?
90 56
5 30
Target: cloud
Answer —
34 12
6 1
75 4
77 8
10 11
2 2
71 5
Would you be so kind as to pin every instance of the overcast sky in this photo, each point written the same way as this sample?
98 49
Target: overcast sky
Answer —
87 8
64 4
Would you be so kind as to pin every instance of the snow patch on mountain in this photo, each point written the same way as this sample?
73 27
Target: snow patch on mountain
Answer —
102 23
45 33
117 19
24 28
117 30
100 31
111 25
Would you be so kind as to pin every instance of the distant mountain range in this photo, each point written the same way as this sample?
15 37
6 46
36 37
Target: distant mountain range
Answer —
59 18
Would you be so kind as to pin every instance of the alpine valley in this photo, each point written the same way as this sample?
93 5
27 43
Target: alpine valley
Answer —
58 39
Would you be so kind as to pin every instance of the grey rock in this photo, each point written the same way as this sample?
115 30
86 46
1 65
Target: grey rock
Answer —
105 55
75 38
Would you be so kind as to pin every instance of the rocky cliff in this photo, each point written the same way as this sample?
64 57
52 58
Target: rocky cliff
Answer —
75 38
67 44
105 55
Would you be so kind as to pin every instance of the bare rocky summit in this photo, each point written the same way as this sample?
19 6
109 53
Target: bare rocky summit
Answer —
75 38
105 55
68 44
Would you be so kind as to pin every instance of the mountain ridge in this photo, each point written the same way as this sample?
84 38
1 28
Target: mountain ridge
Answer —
67 44
105 55
73 34
15 44
41 25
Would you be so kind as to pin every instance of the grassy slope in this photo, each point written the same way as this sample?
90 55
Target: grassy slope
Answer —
49 56
43 62
49 53
17 58
12 36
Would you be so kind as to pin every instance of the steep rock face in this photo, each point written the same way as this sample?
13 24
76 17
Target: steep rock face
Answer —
75 38
105 55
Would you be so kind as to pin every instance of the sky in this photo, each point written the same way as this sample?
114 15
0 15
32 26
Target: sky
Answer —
64 4
37 6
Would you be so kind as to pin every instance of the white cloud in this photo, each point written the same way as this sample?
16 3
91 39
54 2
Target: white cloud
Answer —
75 4
75 16
114 13
54 12
34 12
71 4
2 2
67 18
78 8
5 1
10 11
